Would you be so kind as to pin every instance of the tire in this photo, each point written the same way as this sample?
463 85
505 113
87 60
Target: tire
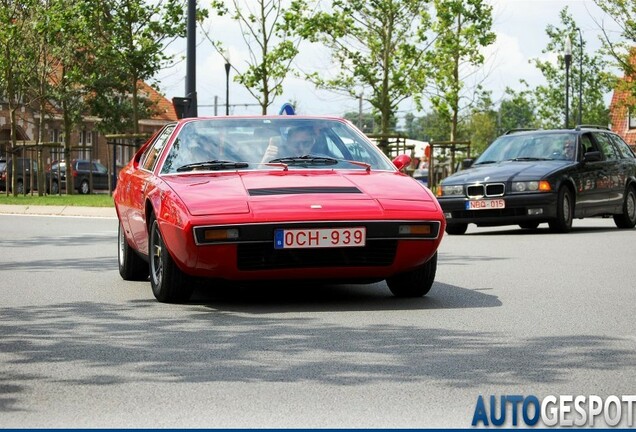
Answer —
55 188
20 187
169 284
529 225
627 219
415 283
564 212
132 267
84 188
456 229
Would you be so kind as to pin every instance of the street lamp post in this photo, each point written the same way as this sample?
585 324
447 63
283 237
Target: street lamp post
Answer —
568 60
227 83
580 118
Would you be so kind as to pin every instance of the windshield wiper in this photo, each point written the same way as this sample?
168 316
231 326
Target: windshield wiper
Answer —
486 162
306 160
213 165
529 159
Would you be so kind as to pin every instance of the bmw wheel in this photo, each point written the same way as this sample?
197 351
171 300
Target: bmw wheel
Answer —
416 283
627 219
456 228
565 212
131 266
169 284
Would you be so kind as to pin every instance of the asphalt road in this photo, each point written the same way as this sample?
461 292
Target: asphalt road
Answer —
511 312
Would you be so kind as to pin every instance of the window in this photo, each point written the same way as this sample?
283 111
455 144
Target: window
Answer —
622 146
57 153
606 146
150 158
631 122
85 141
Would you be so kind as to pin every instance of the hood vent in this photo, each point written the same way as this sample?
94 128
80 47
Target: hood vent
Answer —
303 190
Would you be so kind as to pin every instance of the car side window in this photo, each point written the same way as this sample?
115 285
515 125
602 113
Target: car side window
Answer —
606 147
149 160
625 150
587 145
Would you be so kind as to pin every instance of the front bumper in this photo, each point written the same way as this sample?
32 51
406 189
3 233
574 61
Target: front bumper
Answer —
534 207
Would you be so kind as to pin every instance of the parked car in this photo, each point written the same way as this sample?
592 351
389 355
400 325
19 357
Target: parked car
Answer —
25 169
56 176
421 172
229 199
538 176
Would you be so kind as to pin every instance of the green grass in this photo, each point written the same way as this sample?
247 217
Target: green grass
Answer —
98 200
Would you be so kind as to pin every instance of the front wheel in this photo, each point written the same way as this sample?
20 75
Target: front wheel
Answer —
131 266
564 212
627 219
169 284
456 228
415 283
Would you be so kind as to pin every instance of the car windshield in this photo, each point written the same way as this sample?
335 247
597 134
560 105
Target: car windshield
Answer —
3 166
530 147
287 142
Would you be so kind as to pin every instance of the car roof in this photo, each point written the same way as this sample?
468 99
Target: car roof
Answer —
577 129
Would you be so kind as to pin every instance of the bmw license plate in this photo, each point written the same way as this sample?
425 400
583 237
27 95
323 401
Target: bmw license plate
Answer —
485 204
319 238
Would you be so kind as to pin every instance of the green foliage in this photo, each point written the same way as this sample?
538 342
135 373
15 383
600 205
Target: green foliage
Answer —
462 29
378 47
622 51
517 110
589 69
269 33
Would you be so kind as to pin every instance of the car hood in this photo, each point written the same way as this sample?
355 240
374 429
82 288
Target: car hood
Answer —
506 171
284 194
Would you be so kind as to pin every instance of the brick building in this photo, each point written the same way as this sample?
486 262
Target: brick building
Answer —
623 110
86 142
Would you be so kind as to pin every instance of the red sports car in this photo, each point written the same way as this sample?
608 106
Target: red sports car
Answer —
287 197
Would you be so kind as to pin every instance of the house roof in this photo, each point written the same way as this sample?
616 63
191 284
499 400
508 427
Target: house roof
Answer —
162 107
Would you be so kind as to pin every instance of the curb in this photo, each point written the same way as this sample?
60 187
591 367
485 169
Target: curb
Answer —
104 212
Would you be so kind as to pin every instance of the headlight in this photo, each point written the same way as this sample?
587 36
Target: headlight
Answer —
531 186
452 190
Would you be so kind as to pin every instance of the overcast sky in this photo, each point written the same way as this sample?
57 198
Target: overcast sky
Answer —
519 24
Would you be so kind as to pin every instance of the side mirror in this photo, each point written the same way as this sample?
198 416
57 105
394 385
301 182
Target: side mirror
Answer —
467 163
402 161
592 156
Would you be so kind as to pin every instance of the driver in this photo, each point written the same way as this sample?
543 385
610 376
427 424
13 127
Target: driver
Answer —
300 141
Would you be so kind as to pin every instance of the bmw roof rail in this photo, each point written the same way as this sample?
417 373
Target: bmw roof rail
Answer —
511 131
591 126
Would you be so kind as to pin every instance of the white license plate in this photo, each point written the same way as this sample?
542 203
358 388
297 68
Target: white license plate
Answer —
485 204
319 238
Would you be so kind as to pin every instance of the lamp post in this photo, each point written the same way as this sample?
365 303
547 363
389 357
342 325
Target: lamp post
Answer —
568 60
227 82
580 118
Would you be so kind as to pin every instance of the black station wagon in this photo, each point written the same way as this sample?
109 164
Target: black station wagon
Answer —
527 178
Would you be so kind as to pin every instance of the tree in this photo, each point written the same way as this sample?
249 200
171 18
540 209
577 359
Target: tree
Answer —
622 52
132 36
483 124
516 110
268 32
15 65
550 98
378 46
462 29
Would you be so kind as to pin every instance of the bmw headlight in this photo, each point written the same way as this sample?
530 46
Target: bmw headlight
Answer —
452 190
531 186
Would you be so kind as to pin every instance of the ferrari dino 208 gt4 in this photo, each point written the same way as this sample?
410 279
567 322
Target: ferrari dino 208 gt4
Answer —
239 199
